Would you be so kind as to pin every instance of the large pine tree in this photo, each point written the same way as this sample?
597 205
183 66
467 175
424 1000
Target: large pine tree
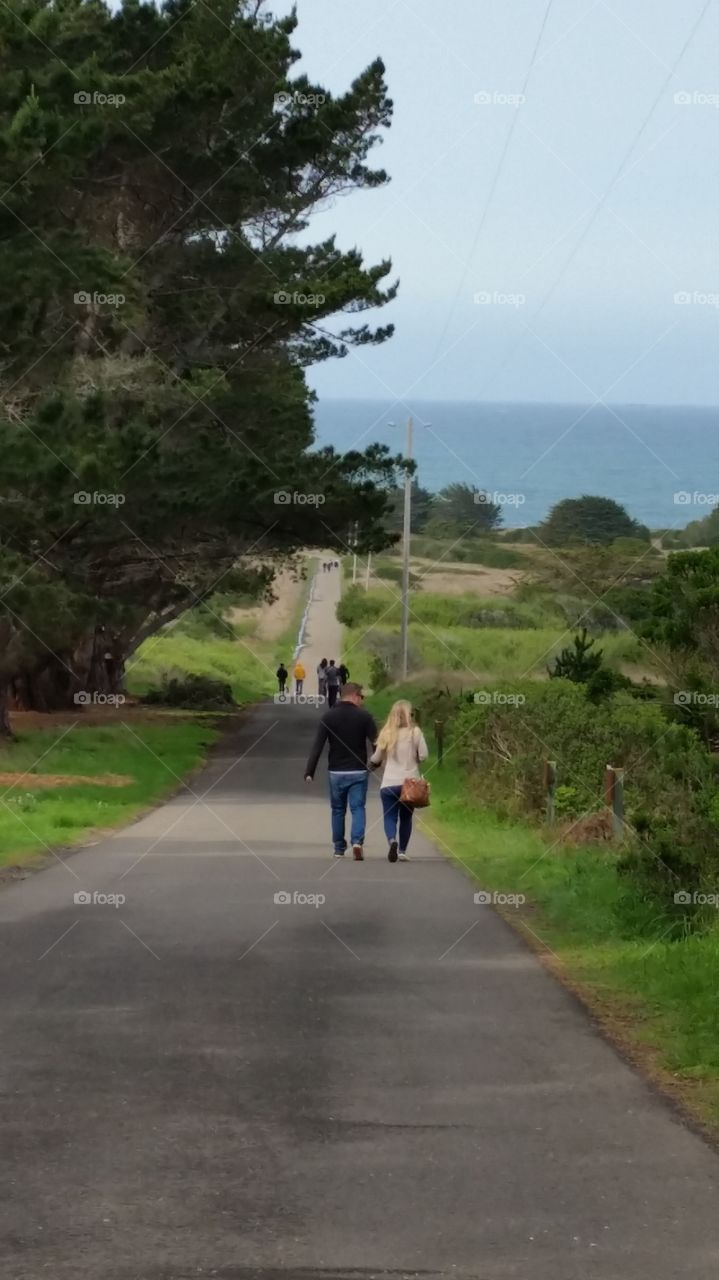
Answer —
160 303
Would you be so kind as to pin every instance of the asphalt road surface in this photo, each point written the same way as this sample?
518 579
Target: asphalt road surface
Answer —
207 1080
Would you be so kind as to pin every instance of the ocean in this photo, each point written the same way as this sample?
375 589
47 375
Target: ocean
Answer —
659 462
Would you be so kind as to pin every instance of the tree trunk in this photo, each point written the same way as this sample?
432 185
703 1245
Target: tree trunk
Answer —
6 733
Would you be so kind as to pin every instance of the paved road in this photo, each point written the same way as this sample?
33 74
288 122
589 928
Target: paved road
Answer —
207 1082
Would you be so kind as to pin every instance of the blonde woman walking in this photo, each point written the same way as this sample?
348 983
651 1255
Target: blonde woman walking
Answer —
401 747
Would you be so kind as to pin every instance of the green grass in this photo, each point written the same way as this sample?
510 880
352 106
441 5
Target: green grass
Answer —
196 646
284 646
467 550
241 663
156 756
496 653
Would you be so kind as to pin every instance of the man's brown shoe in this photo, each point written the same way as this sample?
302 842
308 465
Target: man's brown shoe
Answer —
358 852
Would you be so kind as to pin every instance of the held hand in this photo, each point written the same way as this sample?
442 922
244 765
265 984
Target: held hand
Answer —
308 777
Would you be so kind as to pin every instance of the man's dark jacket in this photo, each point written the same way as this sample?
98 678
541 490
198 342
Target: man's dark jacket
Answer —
348 729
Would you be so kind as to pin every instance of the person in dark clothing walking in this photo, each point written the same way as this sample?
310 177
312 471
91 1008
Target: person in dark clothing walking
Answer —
347 727
344 673
332 677
282 676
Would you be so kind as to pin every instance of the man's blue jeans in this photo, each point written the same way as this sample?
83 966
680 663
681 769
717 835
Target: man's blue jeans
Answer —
348 788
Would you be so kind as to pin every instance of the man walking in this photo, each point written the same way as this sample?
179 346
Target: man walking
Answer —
332 676
344 673
300 676
348 728
282 674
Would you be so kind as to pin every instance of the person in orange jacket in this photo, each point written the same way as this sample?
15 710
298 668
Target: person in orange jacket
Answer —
299 673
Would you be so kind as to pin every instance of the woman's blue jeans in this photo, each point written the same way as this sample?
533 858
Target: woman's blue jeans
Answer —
394 811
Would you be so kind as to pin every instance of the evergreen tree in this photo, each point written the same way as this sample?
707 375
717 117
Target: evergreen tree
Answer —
589 520
157 317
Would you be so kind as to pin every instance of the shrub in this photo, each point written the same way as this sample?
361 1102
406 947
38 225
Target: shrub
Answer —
379 676
670 779
361 608
192 691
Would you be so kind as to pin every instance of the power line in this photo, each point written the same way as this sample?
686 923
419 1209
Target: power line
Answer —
603 200
497 176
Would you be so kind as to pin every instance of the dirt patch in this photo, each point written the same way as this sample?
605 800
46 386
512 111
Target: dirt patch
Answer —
481 582
35 781
269 621
96 717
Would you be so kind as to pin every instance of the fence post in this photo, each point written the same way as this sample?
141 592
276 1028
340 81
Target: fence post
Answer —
439 736
550 786
614 799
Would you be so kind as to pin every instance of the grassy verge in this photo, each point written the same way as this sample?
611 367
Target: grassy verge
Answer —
240 663
656 997
153 756
199 646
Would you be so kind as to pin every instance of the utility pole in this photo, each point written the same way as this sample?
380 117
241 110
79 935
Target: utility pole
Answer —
353 544
406 541
369 569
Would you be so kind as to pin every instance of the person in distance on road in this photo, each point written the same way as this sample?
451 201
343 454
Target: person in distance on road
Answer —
344 673
347 727
400 747
333 682
299 674
322 678
282 676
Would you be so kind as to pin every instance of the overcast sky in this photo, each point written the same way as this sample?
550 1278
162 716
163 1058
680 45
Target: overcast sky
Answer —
611 326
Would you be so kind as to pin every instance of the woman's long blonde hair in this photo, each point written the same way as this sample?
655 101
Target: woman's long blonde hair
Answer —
400 717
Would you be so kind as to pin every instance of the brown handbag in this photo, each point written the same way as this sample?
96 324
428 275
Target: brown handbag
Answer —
415 792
